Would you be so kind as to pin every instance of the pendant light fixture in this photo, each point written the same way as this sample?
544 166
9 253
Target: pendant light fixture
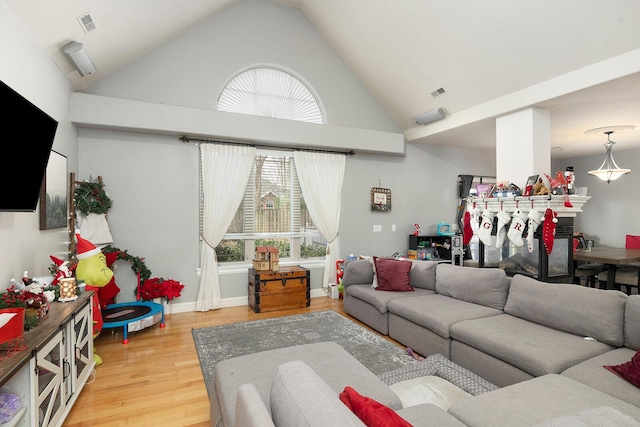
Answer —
609 170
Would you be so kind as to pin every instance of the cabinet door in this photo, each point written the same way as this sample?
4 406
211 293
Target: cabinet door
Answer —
81 347
50 363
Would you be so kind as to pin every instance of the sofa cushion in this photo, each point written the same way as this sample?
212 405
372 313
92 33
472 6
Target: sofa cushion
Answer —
358 272
381 300
428 414
484 286
370 412
393 274
602 416
259 369
588 312
440 366
423 274
531 347
250 409
535 401
428 389
631 322
438 313
629 371
299 397
592 373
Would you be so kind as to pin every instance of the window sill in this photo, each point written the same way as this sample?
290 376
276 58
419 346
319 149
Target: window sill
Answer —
242 268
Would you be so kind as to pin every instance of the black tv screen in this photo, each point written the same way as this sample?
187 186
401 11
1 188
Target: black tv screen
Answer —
27 137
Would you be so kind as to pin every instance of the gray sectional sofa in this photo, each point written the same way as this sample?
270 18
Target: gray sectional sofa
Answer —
542 345
507 330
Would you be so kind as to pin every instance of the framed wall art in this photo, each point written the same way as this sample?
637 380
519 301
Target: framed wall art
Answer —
380 199
54 204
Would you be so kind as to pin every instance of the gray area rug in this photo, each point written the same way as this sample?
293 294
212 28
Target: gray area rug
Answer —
217 343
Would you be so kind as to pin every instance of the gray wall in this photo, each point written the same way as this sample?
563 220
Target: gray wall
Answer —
153 182
153 179
26 68
612 211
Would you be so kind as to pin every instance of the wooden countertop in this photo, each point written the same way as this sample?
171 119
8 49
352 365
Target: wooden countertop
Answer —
35 338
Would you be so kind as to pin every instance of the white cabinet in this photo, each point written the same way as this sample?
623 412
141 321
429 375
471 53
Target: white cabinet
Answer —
50 373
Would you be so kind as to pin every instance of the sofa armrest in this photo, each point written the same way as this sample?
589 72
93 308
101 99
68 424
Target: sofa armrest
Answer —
250 409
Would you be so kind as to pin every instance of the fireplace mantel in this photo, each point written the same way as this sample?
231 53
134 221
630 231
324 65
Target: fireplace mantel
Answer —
525 203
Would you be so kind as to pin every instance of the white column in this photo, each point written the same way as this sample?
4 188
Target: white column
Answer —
523 145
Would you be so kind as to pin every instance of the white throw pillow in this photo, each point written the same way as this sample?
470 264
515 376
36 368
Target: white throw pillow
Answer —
429 389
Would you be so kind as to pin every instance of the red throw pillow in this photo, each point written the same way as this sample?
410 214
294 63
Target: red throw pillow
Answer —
371 412
393 274
629 371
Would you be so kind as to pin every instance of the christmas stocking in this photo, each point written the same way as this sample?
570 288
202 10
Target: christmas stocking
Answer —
484 232
467 231
534 219
517 228
501 234
549 229
470 219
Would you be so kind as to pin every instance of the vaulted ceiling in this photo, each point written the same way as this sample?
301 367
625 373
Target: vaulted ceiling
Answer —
578 58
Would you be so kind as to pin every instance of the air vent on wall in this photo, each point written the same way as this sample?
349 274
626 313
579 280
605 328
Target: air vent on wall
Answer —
86 21
436 93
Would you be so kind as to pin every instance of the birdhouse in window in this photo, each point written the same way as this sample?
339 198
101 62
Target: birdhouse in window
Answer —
267 258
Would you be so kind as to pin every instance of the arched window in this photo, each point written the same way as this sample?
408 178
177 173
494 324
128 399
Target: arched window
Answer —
270 92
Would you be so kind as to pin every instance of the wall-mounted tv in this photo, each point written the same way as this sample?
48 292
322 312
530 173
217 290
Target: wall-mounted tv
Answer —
27 135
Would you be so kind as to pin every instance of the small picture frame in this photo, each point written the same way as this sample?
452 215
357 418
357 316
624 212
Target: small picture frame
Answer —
380 199
484 190
53 194
528 188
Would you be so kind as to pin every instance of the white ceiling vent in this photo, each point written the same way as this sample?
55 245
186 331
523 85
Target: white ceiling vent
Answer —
436 93
87 22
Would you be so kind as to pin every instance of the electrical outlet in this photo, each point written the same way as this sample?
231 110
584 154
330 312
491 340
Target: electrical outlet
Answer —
375 228
393 227
379 227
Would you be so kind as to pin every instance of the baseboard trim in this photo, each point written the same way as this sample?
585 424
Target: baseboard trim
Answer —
185 307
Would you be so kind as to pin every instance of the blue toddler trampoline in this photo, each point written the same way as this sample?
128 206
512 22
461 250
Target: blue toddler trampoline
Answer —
132 316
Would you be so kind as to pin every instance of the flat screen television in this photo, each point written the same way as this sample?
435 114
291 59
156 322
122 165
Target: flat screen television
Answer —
27 135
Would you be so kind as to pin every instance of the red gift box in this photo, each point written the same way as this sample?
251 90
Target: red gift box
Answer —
14 327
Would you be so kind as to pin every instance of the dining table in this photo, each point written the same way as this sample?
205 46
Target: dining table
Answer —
610 257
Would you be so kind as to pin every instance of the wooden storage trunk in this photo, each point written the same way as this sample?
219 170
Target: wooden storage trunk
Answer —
284 289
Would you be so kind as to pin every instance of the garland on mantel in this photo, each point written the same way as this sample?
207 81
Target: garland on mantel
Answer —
90 197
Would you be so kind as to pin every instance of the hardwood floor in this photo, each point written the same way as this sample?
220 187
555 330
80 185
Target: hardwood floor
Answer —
156 380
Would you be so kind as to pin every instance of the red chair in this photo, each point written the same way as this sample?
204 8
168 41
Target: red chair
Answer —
627 275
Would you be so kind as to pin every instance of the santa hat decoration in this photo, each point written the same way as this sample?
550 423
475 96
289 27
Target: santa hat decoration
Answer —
85 249
558 182
56 260
549 229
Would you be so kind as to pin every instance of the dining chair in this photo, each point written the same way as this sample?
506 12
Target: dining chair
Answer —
627 275
584 269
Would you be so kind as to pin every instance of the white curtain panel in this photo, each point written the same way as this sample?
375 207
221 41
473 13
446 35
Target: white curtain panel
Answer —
225 173
321 176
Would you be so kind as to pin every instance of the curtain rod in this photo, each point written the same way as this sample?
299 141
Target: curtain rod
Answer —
185 138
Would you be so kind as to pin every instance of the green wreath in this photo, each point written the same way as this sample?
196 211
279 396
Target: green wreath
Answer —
137 264
90 197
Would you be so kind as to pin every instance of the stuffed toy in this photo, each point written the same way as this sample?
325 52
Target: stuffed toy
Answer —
62 270
92 269
539 189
